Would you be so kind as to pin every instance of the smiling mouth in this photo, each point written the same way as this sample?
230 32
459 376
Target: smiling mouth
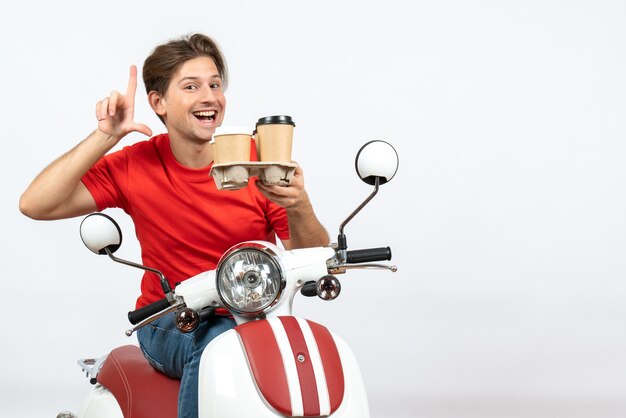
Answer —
207 116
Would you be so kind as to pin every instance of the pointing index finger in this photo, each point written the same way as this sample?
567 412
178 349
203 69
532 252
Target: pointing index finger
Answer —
132 84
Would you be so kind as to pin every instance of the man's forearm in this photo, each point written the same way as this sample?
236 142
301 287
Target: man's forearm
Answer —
305 230
52 194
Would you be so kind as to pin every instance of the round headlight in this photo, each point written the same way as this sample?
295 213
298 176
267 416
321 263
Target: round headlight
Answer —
249 278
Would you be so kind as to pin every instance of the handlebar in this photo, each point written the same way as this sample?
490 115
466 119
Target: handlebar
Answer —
352 257
147 311
368 255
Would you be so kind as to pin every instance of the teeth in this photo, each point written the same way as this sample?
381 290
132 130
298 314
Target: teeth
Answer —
206 114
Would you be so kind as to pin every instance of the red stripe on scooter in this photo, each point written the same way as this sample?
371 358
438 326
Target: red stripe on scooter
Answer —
266 363
332 364
306 375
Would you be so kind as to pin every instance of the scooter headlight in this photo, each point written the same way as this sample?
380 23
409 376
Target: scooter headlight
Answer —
250 278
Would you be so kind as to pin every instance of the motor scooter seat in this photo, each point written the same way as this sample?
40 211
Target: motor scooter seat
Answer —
140 390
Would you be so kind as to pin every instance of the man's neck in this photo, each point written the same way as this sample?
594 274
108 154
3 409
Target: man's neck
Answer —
191 154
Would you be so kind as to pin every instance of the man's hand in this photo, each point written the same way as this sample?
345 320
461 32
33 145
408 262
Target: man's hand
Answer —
57 192
289 197
115 113
305 230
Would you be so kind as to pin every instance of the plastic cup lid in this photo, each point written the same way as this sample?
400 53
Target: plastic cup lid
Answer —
232 130
276 120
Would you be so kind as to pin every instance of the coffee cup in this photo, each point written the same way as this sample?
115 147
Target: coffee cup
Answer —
231 144
275 136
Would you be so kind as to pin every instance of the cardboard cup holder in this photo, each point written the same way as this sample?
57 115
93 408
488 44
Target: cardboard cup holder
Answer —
235 175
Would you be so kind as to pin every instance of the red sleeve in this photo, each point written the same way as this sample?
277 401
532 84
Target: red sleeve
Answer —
277 216
107 180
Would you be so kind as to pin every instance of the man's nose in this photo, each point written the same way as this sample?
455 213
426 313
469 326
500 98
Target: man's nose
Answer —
208 94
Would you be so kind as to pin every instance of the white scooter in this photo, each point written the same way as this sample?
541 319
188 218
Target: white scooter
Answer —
272 364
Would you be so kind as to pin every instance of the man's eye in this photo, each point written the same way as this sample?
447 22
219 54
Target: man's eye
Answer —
190 87
215 86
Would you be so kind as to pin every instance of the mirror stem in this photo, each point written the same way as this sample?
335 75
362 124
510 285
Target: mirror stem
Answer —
341 240
164 284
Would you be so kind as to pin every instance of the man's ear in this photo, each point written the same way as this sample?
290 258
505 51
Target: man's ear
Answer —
157 103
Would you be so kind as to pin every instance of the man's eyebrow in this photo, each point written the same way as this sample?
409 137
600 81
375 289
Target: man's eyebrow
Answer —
195 78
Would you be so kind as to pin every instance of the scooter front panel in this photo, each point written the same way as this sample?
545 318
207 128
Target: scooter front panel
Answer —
228 388
301 353
331 362
266 364
225 386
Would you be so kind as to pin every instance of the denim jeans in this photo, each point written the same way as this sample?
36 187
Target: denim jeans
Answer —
177 354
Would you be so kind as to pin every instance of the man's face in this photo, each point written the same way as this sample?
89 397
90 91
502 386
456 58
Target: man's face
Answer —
194 103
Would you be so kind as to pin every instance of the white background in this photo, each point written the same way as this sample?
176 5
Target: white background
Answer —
507 216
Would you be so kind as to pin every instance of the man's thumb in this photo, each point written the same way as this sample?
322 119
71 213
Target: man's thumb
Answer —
140 127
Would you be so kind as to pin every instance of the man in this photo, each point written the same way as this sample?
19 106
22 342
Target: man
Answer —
183 223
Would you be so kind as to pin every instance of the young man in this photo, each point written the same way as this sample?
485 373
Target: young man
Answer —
183 223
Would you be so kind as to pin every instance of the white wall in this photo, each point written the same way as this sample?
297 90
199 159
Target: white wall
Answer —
506 217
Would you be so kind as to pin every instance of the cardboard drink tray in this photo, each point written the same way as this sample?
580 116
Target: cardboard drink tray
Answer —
234 175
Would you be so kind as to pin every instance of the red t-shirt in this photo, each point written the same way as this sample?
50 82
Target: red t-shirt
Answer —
183 223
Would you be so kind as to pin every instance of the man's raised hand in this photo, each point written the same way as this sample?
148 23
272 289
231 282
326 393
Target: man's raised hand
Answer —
116 113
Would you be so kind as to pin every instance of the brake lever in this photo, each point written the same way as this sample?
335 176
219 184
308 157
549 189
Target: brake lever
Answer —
154 317
341 268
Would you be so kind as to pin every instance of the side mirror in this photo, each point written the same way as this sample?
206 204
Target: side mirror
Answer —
100 232
102 235
377 159
376 163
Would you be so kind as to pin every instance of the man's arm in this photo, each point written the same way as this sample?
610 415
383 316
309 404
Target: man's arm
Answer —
57 192
305 230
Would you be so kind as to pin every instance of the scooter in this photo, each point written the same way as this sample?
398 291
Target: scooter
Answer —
272 364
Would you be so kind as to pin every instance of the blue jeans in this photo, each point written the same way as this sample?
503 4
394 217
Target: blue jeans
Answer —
178 354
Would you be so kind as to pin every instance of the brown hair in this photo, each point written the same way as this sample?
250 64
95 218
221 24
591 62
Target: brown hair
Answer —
166 58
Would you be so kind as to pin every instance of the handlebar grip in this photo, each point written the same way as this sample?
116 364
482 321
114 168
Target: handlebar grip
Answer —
369 254
147 311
